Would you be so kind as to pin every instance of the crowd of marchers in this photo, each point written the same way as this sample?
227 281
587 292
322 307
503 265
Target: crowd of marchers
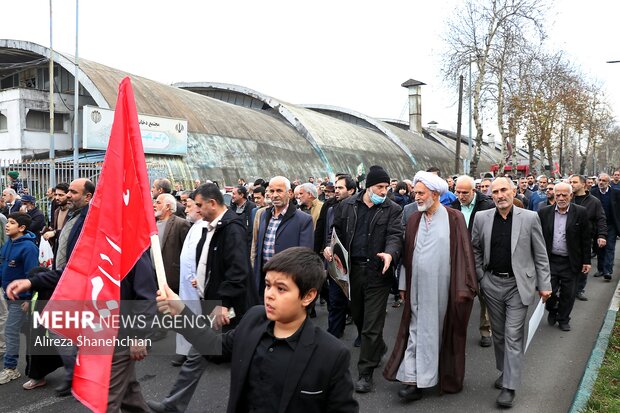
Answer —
254 260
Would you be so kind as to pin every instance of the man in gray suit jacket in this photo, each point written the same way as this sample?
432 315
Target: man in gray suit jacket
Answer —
511 264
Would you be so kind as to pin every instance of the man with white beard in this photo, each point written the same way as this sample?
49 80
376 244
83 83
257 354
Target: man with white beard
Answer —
438 291
187 273
193 363
172 231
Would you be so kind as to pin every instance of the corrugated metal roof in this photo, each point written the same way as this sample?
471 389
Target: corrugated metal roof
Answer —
227 141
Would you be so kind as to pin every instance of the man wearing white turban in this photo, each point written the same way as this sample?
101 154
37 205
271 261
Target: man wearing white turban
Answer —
431 181
438 291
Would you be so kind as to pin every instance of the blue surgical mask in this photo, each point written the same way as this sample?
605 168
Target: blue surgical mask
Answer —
376 199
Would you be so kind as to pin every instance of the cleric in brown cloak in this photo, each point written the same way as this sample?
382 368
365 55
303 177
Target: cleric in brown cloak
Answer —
451 294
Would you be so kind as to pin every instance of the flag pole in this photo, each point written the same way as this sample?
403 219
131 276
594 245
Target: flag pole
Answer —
159 264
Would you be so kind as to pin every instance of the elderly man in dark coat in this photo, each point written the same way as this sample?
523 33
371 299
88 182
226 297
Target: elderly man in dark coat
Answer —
469 202
438 292
172 231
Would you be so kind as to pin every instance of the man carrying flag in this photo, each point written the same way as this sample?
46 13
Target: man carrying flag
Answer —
116 234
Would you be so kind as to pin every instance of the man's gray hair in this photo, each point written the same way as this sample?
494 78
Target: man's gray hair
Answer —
310 188
169 200
10 191
560 185
602 174
542 176
468 179
287 183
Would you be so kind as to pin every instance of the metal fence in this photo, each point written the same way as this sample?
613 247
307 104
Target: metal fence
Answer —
34 175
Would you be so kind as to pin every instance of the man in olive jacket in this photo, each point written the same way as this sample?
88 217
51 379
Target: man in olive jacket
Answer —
369 226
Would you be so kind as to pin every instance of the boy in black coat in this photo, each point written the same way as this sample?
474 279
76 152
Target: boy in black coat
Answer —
281 361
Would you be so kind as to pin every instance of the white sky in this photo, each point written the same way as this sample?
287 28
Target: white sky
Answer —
353 54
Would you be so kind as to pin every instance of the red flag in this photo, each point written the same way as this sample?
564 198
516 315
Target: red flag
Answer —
116 232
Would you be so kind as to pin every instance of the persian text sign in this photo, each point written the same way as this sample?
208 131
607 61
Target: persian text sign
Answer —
164 136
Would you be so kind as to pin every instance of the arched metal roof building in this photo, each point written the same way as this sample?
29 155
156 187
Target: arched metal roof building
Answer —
237 132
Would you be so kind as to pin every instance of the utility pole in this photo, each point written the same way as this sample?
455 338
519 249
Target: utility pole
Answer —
52 153
76 97
470 142
457 157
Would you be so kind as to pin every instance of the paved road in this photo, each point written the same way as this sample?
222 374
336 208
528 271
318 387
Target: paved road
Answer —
555 363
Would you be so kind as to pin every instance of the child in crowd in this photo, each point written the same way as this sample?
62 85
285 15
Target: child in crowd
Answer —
280 360
18 256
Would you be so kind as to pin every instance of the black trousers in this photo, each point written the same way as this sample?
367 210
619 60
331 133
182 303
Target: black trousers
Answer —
369 295
337 310
563 282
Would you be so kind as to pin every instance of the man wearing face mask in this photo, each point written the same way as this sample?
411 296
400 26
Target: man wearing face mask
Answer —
368 224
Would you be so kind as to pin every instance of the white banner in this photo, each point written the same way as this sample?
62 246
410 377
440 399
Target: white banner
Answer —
164 136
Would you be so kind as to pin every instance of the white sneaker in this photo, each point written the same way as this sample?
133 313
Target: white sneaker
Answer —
7 375
33 384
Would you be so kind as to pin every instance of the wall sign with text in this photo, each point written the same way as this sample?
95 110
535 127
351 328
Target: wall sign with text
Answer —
164 136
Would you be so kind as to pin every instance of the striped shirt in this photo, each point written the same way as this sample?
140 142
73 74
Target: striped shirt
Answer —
270 235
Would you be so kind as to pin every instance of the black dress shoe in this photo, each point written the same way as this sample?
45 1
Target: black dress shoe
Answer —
581 296
499 382
364 384
551 319
607 277
485 341
64 389
505 398
598 274
410 393
178 360
564 326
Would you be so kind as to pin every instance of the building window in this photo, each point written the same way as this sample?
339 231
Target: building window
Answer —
3 123
9 81
40 121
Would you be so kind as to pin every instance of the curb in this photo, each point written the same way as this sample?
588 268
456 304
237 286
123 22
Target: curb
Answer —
596 357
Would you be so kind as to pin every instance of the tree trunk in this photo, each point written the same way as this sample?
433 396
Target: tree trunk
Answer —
477 122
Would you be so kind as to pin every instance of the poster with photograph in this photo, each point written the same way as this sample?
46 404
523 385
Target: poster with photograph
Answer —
338 268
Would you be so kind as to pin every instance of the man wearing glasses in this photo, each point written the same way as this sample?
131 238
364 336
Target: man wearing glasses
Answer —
469 202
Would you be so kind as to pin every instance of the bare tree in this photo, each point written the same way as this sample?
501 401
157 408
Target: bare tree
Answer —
474 36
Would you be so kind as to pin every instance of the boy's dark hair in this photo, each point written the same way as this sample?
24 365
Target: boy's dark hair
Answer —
21 219
210 191
259 190
303 265
401 185
64 187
